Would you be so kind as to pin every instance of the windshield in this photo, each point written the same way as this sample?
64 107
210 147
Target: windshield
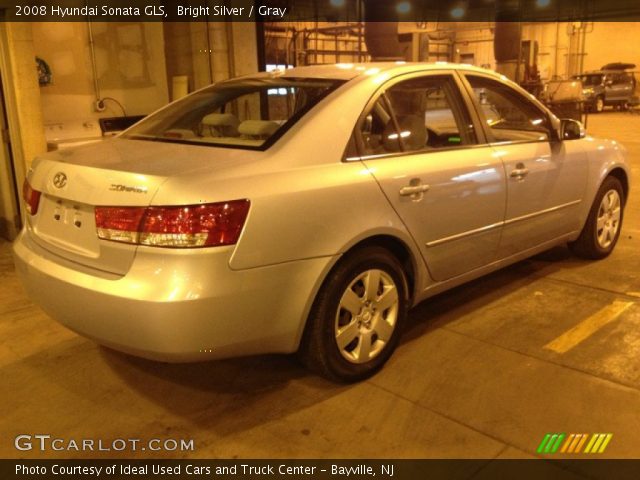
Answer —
246 113
590 80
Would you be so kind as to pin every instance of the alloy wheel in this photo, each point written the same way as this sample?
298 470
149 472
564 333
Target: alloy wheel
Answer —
608 221
367 316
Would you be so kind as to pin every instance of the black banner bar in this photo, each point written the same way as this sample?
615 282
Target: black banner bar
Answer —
320 469
320 10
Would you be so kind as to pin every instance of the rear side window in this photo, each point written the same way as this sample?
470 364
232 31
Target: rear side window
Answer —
419 114
250 113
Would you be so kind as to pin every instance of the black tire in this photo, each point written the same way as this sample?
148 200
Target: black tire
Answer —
587 244
598 106
319 350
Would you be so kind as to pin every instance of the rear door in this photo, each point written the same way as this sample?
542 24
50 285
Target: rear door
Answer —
625 86
417 138
615 87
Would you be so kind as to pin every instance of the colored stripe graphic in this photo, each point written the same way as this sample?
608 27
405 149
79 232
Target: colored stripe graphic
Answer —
598 443
607 439
592 441
556 445
543 443
568 442
574 443
583 439
551 442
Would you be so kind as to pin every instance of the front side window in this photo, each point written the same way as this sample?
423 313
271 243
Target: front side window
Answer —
420 114
247 113
511 117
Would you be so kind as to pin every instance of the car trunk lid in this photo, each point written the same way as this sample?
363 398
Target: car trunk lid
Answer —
65 220
113 173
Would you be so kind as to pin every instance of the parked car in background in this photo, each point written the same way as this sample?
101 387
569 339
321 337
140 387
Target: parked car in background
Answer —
307 210
611 86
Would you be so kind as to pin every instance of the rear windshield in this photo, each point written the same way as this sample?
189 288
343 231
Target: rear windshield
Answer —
246 113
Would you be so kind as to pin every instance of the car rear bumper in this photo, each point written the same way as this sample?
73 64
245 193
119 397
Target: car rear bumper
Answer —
175 305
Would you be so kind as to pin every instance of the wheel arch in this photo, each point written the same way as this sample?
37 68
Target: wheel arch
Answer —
621 175
400 250
397 246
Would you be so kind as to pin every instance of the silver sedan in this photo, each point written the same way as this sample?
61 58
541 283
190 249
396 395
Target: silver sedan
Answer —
307 210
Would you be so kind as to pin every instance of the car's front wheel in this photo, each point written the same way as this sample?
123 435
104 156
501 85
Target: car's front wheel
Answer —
602 230
357 317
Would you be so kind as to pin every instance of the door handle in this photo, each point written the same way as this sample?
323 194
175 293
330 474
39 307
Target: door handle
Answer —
519 172
413 190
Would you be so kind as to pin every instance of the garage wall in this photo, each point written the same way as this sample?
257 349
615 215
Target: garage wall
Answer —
130 65
476 42
553 47
207 52
561 51
552 38
624 35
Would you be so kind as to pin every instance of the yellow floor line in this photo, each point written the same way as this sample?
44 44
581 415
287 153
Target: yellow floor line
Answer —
588 327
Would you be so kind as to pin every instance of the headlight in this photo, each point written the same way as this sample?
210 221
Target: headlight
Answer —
587 91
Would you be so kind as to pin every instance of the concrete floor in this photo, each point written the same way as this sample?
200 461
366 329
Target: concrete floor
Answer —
471 378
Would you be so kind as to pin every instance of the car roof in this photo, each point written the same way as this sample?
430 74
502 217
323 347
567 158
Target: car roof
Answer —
618 66
602 72
349 71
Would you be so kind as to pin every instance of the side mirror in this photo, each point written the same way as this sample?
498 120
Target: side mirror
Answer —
571 129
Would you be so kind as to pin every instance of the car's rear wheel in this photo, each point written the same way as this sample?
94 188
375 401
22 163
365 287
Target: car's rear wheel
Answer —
602 230
599 104
357 316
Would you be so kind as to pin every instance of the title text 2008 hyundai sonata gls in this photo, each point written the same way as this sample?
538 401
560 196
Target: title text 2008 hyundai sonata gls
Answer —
307 210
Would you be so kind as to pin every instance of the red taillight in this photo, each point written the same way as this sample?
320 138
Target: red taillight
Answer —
120 224
206 225
31 198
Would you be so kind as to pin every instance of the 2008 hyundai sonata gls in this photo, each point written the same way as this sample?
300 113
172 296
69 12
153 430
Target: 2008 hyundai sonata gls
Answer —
307 210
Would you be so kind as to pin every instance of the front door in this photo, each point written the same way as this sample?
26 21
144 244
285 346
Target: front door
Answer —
545 178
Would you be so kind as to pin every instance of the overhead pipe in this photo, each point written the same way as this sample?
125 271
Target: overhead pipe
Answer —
99 104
